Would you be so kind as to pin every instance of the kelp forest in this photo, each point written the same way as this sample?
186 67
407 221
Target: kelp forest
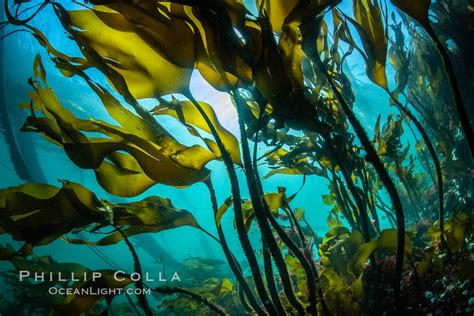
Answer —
363 105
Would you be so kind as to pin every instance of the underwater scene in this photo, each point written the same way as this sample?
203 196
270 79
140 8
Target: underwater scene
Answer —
237 157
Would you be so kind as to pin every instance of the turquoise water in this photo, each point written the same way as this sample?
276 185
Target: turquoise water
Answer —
53 164
47 163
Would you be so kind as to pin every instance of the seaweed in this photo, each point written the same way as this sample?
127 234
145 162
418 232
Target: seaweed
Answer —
15 148
286 72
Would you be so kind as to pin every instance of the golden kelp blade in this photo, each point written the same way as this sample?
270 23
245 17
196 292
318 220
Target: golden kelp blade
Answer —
275 201
194 157
221 68
39 214
290 39
277 11
386 241
90 153
147 72
222 209
142 32
344 255
398 57
153 155
153 214
225 61
227 44
454 231
187 113
161 25
371 29
289 45
302 167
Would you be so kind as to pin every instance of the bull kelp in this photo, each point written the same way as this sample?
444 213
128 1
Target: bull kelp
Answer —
237 157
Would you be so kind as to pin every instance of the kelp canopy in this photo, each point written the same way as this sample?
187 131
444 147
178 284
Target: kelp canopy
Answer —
400 224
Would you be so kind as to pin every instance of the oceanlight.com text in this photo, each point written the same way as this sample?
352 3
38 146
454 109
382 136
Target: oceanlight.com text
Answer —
98 291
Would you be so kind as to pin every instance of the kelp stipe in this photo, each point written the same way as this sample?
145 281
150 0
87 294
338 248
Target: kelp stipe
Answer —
420 12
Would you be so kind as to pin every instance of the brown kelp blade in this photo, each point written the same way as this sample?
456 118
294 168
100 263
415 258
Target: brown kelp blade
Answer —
38 214
133 150
153 214
373 33
187 113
